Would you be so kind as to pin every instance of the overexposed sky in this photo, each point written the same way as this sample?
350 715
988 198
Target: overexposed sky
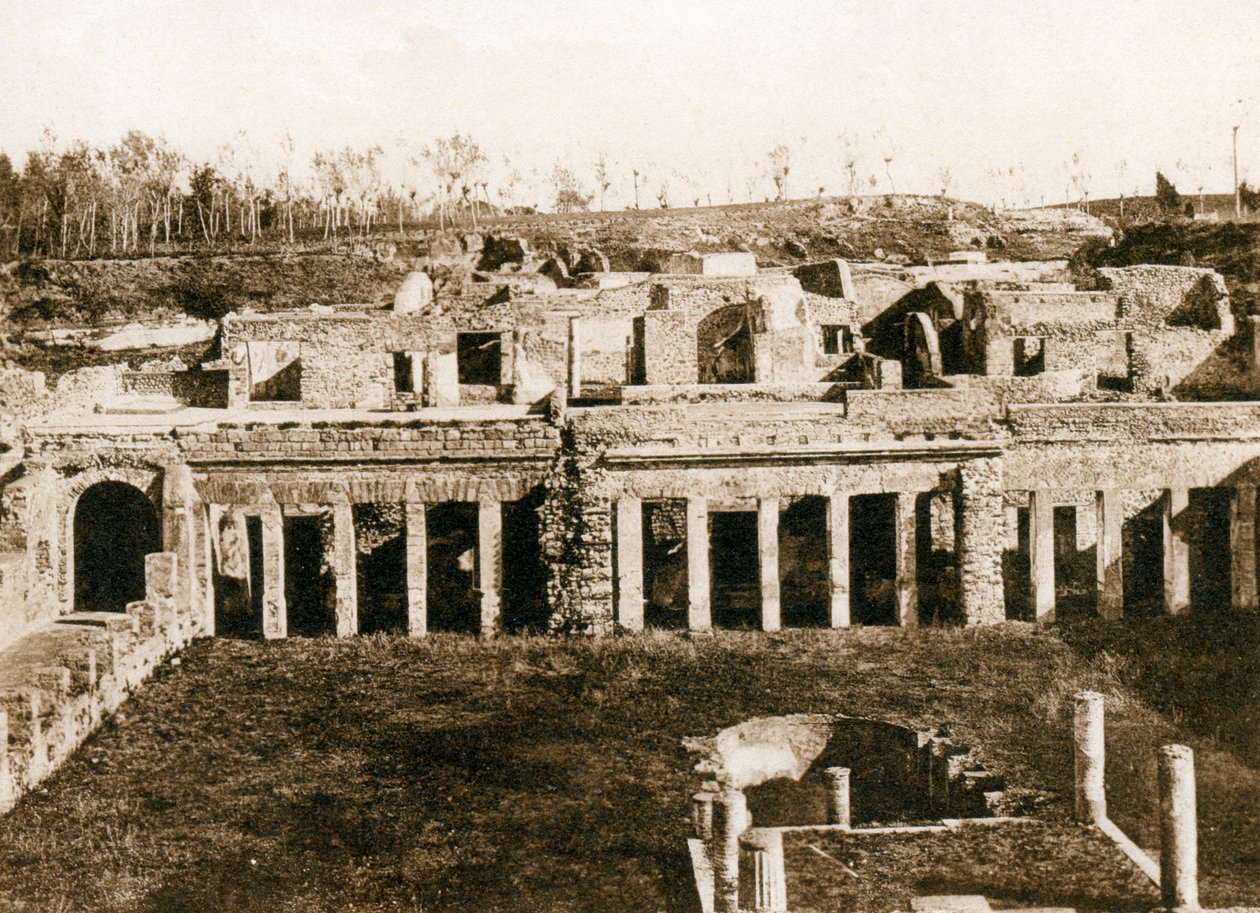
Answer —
694 93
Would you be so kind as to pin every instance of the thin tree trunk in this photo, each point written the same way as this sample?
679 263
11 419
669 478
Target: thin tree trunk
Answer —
202 219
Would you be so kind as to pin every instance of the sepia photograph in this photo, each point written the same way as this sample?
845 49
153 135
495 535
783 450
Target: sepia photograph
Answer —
629 456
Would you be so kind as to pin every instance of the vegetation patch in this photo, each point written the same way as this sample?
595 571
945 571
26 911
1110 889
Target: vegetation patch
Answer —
381 773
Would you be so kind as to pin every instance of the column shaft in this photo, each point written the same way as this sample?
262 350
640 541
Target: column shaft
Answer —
1176 552
575 356
838 557
275 612
1108 547
907 564
983 526
730 820
417 551
1041 555
768 562
1090 757
490 564
762 875
345 571
699 610
1178 828
630 563
1242 546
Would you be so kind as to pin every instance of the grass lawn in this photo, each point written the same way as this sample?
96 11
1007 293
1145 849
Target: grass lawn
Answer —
527 774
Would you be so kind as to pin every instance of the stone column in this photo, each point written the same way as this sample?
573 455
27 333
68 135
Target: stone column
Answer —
1091 746
205 569
1176 552
702 814
762 875
838 809
575 356
1041 555
415 361
345 571
178 536
980 518
907 564
730 819
490 564
699 611
275 612
629 512
838 557
768 562
1242 547
417 549
1110 568
1178 829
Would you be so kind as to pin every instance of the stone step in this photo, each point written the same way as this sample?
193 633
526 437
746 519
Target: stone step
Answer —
88 619
950 903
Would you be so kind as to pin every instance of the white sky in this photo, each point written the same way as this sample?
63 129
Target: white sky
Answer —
700 88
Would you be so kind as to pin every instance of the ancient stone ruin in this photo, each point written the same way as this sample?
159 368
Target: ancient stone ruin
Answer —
712 447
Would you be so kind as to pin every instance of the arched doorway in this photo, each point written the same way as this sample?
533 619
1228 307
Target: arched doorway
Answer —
724 347
115 526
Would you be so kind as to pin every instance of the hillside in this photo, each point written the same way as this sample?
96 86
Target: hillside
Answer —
39 294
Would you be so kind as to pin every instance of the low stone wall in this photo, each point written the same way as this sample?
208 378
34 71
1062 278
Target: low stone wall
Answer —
924 761
59 683
1135 421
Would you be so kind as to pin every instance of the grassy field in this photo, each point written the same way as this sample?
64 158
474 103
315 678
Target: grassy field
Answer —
527 774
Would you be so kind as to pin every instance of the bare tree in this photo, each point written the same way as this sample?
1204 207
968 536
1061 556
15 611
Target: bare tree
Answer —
780 160
944 178
601 178
453 160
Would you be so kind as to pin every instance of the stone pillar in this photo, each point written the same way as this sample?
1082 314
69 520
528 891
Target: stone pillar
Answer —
1178 829
575 357
345 571
1041 555
205 569
490 564
838 809
415 362
730 819
1091 747
907 564
1242 547
275 612
762 875
630 563
702 815
1176 552
161 586
1110 568
768 562
980 518
838 557
699 612
178 536
417 550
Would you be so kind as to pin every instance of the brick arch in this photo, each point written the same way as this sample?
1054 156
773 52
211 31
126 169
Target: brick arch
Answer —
147 481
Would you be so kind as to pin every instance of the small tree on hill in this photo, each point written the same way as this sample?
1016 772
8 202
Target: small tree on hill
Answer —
1166 196
1249 197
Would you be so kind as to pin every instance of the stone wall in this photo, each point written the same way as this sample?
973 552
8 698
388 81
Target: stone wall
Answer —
59 684
1172 295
